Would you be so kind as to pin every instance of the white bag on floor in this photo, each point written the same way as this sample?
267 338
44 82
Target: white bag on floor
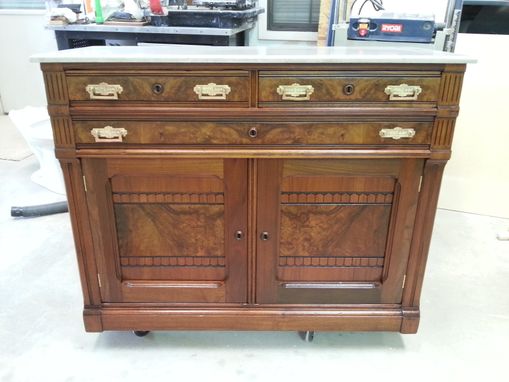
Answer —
35 126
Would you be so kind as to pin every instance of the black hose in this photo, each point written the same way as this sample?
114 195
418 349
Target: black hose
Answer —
41 210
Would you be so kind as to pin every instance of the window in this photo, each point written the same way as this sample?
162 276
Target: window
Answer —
293 15
286 12
22 4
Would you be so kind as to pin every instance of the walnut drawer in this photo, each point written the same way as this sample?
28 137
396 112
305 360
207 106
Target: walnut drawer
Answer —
299 88
244 133
194 87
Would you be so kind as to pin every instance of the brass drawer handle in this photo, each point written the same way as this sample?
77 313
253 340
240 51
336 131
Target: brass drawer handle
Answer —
104 91
109 134
212 91
403 92
295 92
397 133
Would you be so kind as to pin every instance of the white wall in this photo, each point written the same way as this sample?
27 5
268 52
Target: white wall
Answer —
477 176
23 34
436 7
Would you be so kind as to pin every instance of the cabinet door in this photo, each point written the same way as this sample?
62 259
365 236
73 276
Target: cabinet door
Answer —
169 230
334 231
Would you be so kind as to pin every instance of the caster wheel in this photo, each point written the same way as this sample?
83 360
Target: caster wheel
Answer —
141 333
307 336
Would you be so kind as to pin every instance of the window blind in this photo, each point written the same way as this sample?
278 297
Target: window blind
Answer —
293 15
22 4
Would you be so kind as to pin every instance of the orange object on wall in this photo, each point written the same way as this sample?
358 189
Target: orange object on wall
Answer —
88 7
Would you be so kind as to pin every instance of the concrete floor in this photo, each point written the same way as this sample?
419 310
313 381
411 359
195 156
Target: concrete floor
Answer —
463 334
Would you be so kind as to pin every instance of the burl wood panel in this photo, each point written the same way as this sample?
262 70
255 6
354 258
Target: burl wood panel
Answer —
311 232
170 230
177 87
296 133
329 86
333 230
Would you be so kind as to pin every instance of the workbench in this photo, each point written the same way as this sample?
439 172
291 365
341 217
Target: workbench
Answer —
76 35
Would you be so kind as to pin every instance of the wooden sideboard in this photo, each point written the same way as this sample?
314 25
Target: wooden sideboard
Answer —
252 196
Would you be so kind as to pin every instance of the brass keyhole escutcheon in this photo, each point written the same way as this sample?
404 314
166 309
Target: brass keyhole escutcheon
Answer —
157 89
253 132
239 235
265 236
348 89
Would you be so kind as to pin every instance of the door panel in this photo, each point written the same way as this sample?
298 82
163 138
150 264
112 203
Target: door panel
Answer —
156 240
172 226
329 230
330 243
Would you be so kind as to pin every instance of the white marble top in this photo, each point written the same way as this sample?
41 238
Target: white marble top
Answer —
273 54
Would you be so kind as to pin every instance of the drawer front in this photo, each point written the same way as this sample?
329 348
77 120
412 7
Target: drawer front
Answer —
197 88
301 88
243 133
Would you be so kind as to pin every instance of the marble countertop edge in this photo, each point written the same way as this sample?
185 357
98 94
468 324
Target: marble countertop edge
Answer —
185 54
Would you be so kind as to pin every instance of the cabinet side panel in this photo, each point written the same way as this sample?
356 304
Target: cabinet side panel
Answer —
421 239
81 230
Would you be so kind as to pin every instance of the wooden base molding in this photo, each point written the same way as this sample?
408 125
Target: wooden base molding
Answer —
98 320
